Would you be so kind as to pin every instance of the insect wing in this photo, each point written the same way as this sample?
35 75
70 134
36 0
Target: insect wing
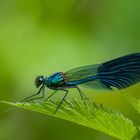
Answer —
82 73
121 73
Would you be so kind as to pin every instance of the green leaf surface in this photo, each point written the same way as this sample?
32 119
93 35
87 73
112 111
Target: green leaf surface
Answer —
92 115
133 101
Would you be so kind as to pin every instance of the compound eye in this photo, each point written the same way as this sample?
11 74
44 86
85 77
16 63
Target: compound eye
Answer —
38 81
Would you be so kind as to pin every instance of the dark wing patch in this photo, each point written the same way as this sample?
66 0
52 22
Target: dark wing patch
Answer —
121 73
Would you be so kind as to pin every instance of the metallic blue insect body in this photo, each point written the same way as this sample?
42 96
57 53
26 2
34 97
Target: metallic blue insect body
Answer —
120 73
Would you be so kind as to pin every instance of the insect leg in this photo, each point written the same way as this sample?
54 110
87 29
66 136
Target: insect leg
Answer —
32 95
83 96
50 96
61 101
43 93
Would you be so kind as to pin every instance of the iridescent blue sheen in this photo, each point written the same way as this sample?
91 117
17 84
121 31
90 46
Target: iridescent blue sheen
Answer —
120 73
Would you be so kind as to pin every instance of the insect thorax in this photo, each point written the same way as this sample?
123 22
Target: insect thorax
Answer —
56 80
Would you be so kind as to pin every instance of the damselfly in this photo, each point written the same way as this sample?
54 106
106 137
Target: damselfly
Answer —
120 73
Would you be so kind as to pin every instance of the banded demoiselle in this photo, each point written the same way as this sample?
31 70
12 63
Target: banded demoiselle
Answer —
120 73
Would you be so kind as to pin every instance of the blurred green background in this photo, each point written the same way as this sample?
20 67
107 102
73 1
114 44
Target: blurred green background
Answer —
41 37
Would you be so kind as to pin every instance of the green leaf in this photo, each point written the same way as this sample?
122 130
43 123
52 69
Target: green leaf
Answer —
95 116
133 101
